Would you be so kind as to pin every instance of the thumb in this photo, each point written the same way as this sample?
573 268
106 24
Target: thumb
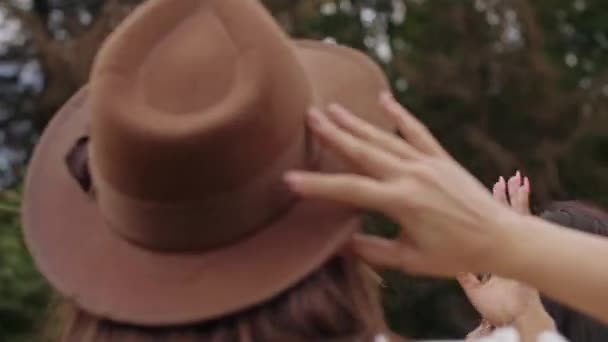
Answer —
387 253
377 251
468 281
470 284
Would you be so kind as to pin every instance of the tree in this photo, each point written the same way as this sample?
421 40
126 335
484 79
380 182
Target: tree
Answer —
504 84
24 293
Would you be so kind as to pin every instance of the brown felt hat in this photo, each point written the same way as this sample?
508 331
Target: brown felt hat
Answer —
194 111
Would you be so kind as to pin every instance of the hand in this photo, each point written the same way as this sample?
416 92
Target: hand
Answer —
447 217
483 330
515 193
501 301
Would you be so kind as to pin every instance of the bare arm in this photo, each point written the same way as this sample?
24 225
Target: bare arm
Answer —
447 230
564 264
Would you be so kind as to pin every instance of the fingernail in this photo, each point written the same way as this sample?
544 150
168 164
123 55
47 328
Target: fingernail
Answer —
518 177
292 177
315 117
527 184
386 96
336 107
501 180
357 240
338 111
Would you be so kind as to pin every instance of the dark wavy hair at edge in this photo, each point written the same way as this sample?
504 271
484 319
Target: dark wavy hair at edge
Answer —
587 218
338 302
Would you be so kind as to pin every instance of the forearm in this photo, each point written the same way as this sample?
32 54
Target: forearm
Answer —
563 264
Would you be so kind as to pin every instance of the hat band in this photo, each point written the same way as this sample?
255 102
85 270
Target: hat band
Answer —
205 224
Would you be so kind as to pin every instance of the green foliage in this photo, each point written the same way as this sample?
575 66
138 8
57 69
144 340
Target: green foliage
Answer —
23 292
504 85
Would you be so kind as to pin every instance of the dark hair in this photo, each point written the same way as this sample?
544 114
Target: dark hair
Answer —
589 219
339 302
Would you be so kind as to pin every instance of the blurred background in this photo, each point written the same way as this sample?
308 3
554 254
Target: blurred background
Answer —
504 84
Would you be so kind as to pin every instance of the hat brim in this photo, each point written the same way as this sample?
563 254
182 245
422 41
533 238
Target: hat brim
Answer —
112 278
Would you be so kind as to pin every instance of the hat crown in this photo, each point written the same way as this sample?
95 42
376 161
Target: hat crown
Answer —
194 121
191 67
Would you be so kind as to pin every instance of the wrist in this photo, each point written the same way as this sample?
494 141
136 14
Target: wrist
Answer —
509 235
534 322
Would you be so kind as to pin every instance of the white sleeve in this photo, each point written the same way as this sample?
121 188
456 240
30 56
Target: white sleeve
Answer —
511 335
502 335
551 336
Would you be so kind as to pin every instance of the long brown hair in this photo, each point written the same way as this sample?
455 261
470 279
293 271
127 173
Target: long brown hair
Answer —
339 302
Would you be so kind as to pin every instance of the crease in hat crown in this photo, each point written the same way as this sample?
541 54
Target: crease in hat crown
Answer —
194 119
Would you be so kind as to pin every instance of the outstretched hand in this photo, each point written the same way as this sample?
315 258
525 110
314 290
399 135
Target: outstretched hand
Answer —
445 214
501 301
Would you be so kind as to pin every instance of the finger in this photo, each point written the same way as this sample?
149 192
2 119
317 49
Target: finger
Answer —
377 278
378 251
358 191
472 288
513 186
393 254
522 199
365 131
468 281
361 154
482 330
477 333
411 128
499 191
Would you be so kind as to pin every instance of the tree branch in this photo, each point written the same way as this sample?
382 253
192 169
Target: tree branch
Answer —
67 64
504 159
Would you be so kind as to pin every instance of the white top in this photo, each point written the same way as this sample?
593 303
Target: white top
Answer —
511 335
499 335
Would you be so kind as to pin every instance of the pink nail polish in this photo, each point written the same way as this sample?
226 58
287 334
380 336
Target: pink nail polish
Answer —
526 184
518 177
501 180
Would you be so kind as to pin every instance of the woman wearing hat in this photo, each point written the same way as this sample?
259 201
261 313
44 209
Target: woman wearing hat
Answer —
155 202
